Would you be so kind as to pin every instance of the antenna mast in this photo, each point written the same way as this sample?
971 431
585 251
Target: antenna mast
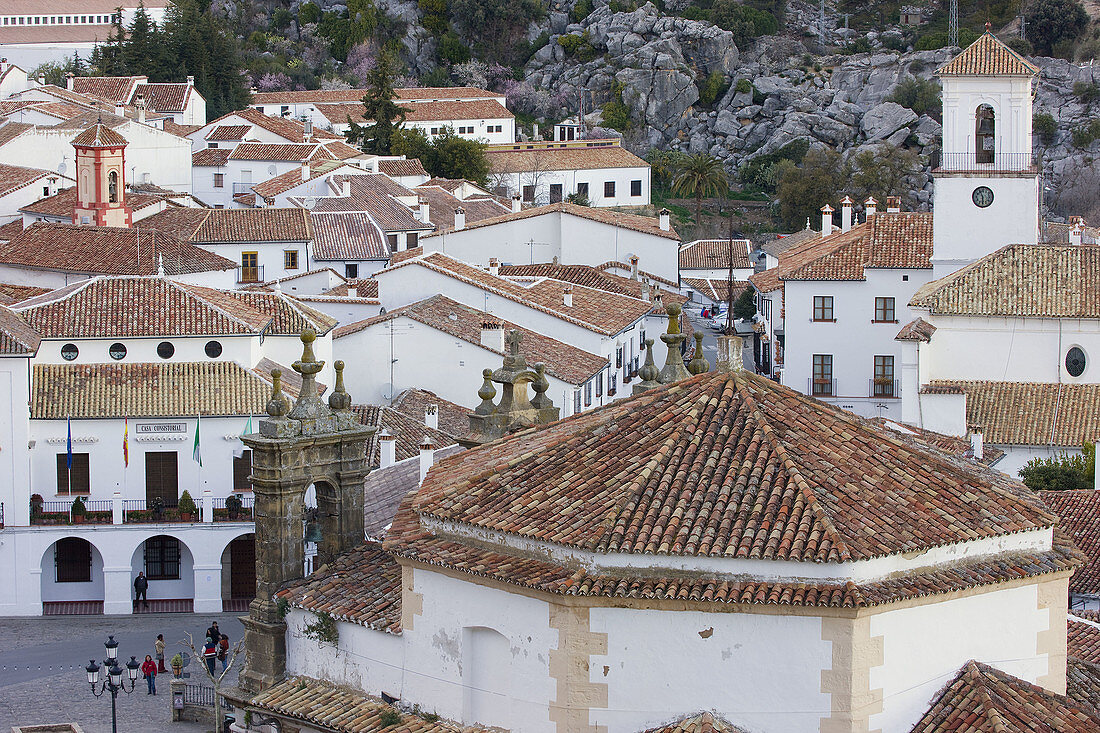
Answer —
953 25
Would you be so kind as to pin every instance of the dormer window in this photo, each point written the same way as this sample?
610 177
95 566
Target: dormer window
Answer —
112 187
985 127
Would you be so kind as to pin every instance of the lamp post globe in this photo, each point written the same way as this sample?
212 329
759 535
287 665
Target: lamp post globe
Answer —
113 683
93 672
132 668
112 647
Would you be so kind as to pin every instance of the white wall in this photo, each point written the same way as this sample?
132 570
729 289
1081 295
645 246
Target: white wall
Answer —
472 129
963 232
368 660
14 434
1010 98
571 179
269 256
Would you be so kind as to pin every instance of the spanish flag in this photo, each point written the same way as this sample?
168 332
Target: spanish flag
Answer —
126 442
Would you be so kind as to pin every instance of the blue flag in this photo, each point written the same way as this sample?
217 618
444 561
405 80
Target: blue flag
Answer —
69 443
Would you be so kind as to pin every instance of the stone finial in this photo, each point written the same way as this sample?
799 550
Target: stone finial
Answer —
698 363
313 414
486 393
541 385
730 354
674 369
512 358
649 372
339 399
278 406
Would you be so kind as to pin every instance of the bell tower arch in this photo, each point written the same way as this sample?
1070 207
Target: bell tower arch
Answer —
308 443
101 178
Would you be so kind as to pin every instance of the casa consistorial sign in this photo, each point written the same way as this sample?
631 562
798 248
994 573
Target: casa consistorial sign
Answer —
158 428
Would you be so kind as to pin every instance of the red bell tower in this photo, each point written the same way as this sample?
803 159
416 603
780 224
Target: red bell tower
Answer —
100 178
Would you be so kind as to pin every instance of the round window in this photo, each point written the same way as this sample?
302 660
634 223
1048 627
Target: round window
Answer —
165 349
69 352
1075 361
213 349
117 351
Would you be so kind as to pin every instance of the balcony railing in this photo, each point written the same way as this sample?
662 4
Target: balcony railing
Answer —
136 511
250 274
983 161
821 387
242 188
884 389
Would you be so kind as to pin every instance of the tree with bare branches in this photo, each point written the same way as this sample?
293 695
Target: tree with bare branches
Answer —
216 677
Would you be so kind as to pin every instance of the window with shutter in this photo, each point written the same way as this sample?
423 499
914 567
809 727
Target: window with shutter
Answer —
77 481
242 467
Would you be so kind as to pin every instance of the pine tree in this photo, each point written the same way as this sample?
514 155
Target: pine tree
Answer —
143 52
199 44
111 61
383 114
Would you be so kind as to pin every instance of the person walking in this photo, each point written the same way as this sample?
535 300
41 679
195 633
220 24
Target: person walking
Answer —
214 632
223 651
210 654
159 647
141 589
149 669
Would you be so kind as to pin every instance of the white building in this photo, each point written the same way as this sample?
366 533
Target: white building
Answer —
711 259
601 172
21 186
610 573
179 102
568 233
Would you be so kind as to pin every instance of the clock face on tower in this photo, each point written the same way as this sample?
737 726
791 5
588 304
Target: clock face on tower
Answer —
982 196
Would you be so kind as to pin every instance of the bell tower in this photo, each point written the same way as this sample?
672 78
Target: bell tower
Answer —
986 184
101 178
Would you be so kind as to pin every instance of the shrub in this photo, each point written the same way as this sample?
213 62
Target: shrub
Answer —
1045 126
452 50
744 85
323 629
746 23
713 88
36 504
281 18
938 39
578 45
1020 45
1086 92
1053 25
616 114
580 11
389 718
759 174
1085 135
1062 472
79 508
233 503
309 13
920 95
694 12
186 503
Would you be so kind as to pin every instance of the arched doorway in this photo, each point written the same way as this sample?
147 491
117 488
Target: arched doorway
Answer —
486 662
168 564
72 578
239 573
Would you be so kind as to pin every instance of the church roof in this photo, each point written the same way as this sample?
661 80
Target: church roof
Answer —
727 465
701 723
988 56
983 699
1083 638
99 136
17 338
1079 515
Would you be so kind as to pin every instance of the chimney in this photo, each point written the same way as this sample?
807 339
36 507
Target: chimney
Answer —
535 130
846 213
387 449
567 294
305 171
139 102
730 354
646 295
4 66
893 204
307 133
460 219
870 206
353 292
494 266
826 220
516 205
1077 229
422 204
52 184
41 80
191 80
663 219
345 189
120 109
633 267
427 457
977 444
431 417
69 76
492 336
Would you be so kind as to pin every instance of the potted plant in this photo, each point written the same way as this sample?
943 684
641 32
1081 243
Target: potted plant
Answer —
233 505
177 665
186 506
157 505
36 505
78 510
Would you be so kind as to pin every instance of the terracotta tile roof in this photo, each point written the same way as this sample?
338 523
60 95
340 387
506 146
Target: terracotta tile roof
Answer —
565 362
287 315
1079 515
109 88
717 290
294 152
341 150
408 431
1038 280
983 699
99 115
782 477
15 177
62 203
1083 683
327 707
988 56
12 130
375 194
120 307
506 160
181 130
254 225
782 243
338 113
400 168
386 488
643 224
60 110
11 229
917 329
11 293
286 128
442 205
625 268
453 418
348 235
228 132
444 93
106 251
165 97
178 222
709 254
1031 413
305 96
585 275
888 240
170 389
950 444
210 157
592 309
480 109
272 187
364 288
1083 640
17 338
99 136
701 723
406 254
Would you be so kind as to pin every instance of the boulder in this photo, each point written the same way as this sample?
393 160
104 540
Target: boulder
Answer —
884 119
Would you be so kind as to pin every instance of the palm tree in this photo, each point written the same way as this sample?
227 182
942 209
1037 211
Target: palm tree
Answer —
700 175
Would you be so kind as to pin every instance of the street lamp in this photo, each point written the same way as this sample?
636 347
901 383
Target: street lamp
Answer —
113 682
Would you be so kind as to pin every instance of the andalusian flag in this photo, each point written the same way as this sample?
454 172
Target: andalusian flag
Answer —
238 452
196 452
126 442
69 443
